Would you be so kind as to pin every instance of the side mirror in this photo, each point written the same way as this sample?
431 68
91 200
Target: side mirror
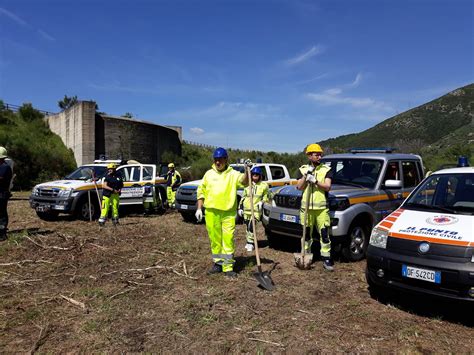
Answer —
393 184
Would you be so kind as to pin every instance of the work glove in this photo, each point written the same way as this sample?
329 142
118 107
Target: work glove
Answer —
248 163
198 215
310 169
311 178
260 206
240 212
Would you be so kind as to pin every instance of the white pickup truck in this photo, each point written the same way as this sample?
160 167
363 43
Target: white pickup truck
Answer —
74 193
186 195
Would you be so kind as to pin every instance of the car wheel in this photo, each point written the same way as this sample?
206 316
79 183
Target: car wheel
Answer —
356 247
48 216
83 210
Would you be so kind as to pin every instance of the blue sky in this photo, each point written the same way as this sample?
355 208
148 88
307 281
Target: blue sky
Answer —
266 75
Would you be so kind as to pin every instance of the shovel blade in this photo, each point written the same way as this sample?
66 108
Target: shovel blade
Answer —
264 280
303 261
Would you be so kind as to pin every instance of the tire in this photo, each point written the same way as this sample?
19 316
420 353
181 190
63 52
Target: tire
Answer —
82 210
356 247
48 216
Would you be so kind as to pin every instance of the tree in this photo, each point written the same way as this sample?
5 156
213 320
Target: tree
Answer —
127 115
67 102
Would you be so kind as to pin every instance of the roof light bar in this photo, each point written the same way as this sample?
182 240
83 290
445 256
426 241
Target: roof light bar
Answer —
372 150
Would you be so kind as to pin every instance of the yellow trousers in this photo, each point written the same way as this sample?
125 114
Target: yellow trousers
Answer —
220 226
113 200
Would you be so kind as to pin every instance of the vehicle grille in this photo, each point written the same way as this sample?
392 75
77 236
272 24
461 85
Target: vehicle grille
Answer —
48 192
287 201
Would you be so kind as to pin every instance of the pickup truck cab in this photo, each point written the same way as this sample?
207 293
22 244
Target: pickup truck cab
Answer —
186 195
71 194
367 186
427 245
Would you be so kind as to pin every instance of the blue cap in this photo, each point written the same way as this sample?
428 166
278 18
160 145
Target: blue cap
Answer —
220 153
256 170
462 162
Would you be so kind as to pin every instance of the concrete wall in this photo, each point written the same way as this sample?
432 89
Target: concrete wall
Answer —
76 127
91 135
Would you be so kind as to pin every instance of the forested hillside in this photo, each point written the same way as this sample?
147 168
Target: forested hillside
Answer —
39 154
439 130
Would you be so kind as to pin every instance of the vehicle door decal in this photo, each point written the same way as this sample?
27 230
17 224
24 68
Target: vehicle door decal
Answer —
422 238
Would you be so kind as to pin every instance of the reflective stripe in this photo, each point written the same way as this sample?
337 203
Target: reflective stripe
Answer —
223 256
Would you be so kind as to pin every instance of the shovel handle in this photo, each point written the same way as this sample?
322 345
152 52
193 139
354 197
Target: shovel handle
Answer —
255 242
305 221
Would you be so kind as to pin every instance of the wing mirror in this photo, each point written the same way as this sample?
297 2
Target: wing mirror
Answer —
393 184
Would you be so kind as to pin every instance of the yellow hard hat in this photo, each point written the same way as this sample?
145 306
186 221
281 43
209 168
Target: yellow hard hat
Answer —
111 166
170 165
314 148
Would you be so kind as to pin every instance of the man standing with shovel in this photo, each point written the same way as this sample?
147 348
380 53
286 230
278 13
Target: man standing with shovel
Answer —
314 179
218 194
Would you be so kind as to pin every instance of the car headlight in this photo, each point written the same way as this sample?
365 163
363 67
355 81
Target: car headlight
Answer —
338 203
379 238
64 193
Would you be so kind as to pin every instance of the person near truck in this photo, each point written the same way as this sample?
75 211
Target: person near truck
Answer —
6 174
260 195
314 179
173 180
218 194
111 189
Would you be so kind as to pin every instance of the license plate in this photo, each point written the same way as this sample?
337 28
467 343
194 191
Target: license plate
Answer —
184 207
421 274
42 208
59 207
288 218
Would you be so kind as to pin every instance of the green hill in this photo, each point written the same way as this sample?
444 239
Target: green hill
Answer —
39 154
439 130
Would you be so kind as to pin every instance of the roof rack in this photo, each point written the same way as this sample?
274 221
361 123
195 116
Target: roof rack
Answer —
372 150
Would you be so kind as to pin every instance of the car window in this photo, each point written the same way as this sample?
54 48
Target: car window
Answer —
147 173
392 172
411 177
360 172
277 172
131 173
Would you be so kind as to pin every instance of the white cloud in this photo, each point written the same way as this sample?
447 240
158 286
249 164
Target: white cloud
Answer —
356 81
13 17
333 97
197 131
313 51
46 35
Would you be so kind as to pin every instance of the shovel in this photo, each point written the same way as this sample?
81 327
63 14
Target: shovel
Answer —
263 277
304 260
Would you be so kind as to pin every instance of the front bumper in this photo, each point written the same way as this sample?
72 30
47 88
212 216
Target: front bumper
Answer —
457 277
185 208
44 204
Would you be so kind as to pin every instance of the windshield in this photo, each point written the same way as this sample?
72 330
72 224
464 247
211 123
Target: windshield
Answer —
355 172
85 173
452 193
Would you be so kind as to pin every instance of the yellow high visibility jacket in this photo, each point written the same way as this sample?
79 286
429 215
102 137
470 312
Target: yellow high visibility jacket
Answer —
260 193
219 189
317 196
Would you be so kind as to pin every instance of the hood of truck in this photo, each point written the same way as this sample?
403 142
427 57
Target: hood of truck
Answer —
190 184
441 228
67 185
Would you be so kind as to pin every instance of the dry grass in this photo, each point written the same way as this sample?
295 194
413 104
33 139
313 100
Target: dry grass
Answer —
69 286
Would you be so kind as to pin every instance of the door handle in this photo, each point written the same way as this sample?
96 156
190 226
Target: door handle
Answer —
399 195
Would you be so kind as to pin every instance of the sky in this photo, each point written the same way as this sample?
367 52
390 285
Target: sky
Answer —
270 75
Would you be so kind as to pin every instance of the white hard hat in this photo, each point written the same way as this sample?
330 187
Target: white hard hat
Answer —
3 153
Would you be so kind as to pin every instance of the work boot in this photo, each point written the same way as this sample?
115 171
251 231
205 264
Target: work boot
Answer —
115 221
101 222
216 268
3 236
230 274
328 264
249 247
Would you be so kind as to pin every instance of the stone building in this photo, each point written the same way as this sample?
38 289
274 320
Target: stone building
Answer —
91 135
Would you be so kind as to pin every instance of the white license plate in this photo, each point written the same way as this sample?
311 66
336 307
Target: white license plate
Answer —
184 207
42 208
421 274
288 218
59 207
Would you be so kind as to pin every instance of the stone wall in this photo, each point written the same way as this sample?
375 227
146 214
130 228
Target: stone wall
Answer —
76 127
91 135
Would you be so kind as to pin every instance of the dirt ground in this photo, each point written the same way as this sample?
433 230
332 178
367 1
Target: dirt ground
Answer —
68 286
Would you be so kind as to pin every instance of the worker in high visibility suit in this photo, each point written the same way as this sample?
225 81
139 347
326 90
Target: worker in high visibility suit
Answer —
260 195
111 189
315 178
173 180
218 194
